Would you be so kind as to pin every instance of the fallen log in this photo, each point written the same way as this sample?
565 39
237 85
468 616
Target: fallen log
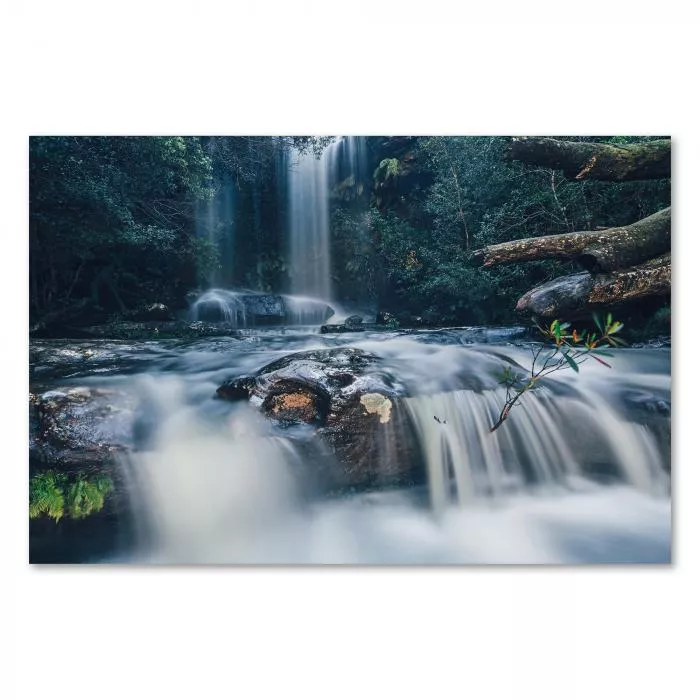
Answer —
566 297
596 251
581 160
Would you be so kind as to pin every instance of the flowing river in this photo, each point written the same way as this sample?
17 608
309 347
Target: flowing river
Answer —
579 473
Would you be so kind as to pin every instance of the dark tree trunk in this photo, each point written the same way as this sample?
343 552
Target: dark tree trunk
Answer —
571 295
596 251
595 161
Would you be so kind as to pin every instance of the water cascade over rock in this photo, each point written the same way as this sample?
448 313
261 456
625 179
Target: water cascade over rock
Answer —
378 451
246 308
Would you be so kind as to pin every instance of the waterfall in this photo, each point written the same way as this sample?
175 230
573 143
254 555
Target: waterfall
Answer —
309 189
578 473
223 305
309 230
538 445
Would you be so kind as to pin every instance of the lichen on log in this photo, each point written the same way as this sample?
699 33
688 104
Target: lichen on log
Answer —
582 160
574 294
596 251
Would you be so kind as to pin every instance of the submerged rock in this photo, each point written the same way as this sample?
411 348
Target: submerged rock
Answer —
352 403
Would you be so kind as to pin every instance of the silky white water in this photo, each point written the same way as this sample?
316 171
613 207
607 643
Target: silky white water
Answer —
230 495
309 183
224 485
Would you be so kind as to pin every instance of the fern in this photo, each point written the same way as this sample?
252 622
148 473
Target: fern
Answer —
87 495
51 494
46 495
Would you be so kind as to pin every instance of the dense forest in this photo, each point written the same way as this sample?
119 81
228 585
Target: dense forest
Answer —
121 223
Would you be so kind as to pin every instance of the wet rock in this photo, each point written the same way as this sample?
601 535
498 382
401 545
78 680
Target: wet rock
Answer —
79 427
643 405
379 404
296 405
351 402
265 306
353 323
158 330
335 328
150 312
247 309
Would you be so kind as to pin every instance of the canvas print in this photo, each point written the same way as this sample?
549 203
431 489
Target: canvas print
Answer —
358 350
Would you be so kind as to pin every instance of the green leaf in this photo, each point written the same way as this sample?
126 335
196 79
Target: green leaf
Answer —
572 363
598 323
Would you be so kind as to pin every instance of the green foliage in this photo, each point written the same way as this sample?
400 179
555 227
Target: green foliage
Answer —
475 198
123 221
46 495
560 350
55 494
87 495
387 169
356 270
111 218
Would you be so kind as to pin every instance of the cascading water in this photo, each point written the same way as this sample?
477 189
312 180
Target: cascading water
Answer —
309 233
309 190
223 305
578 473
246 308
307 187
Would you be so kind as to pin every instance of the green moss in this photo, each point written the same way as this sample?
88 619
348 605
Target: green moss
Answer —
55 495
388 168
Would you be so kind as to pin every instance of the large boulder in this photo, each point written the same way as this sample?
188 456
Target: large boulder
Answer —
78 432
239 308
352 405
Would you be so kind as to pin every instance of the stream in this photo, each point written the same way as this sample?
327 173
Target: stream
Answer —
579 473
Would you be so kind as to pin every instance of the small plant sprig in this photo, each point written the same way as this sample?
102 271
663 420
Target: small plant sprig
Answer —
560 350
